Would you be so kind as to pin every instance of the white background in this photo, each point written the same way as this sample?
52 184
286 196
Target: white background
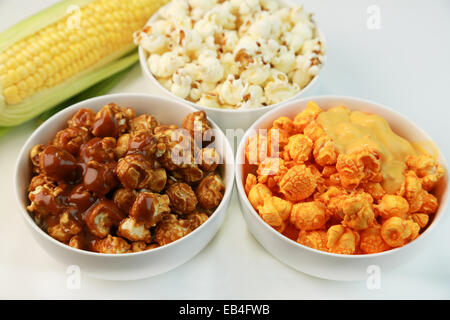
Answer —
404 65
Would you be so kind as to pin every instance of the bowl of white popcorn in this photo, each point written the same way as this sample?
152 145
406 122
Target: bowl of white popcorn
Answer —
233 59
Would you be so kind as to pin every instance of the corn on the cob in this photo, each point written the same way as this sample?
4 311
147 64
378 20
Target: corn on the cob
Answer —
54 55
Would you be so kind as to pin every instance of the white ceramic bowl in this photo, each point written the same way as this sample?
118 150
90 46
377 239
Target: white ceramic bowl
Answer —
232 118
131 265
328 265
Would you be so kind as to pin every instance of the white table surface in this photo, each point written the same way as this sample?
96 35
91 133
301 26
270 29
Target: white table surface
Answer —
404 64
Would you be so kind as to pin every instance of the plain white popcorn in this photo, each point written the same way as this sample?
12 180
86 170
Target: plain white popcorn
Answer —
232 53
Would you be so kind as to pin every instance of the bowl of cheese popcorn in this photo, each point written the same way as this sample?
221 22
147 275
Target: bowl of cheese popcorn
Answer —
233 59
125 186
333 186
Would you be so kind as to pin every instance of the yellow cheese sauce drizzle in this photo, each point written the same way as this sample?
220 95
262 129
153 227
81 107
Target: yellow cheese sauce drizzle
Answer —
355 130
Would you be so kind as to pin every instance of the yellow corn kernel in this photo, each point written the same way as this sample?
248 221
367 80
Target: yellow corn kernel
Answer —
11 94
61 50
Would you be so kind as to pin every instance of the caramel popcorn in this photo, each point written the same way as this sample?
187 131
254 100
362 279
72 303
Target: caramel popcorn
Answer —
197 124
101 217
340 190
135 172
182 198
173 228
210 192
83 118
113 182
65 228
145 122
149 208
34 157
132 230
111 121
209 159
111 245
71 139
138 246
45 200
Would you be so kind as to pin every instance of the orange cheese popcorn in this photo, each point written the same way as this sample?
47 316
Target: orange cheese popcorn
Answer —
374 189
350 170
270 171
299 147
257 194
316 239
397 232
275 211
334 199
326 182
302 119
258 148
358 166
426 168
371 165
413 191
325 152
320 181
331 193
314 131
357 212
298 183
250 181
371 240
430 203
309 215
284 123
277 139
342 240
327 171
420 218
392 206
334 180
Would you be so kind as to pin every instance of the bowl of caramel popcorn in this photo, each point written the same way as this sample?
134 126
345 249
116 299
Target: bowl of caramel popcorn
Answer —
334 185
233 59
125 186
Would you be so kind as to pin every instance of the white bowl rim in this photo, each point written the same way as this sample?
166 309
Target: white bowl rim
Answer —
25 150
299 95
290 242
